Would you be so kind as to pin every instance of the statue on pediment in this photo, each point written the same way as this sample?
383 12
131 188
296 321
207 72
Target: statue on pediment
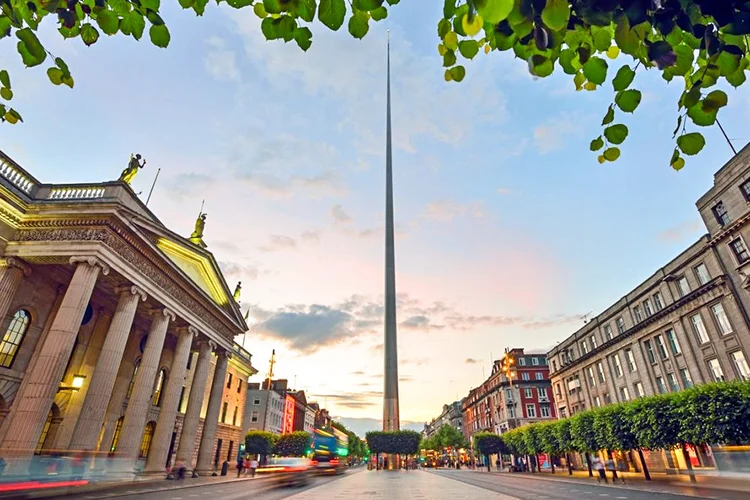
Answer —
237 291
200 224
130 172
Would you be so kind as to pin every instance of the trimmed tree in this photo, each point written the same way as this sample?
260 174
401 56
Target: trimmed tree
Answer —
584 436
260 443
294 444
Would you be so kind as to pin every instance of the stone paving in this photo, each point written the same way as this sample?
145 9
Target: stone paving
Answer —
382 485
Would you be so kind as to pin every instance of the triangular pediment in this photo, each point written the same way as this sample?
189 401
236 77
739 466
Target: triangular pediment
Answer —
198 268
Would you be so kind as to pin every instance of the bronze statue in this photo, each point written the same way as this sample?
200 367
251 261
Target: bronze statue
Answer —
200 224
237 291
134 165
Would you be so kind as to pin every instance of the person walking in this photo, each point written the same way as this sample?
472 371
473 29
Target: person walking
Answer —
253 466
611 467
622 466
598 466
240 466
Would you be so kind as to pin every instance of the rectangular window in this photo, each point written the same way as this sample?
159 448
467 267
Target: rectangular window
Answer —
701 272
674 344
647 308
543 393
531 411
256 401
535 361
661 386
658 303
699 329
607 399
600 373
741 365
229 381
254 416
234 416
639 389
511 412
650 352
620 325
739 251
525 376
661 347
182 396
584 347
239 386
597 401
594 345
522 361
745 189
590 372
224 409
563 412
687 381
721 319
618 365
607 332
554 366
720 212
716 372
624 394
683 286
509 395
631 360
673 385
544 411
638 314
558 391
539 376
528 394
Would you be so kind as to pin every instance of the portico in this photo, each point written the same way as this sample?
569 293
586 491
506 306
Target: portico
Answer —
109 319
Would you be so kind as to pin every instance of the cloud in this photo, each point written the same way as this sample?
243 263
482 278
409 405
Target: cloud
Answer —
471 361
220 62
503 190
340 216
420 322
310 236
447 210
235 270
361 426
681 232
352 400
554 133
187 185
279 242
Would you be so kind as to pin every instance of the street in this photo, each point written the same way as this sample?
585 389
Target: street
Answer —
561 489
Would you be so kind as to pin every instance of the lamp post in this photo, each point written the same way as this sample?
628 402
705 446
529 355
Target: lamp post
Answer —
490 429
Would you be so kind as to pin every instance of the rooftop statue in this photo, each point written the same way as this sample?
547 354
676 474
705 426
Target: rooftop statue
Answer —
130 172
197 236
237 291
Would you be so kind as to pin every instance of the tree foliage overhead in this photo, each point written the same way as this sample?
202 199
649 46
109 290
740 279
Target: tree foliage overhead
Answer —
259 442
294 444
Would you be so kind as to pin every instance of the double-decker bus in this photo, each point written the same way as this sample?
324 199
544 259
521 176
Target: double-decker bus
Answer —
330 450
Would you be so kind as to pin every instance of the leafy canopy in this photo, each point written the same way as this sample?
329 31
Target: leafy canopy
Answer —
700 42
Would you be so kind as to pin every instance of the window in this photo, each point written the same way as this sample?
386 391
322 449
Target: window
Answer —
630 360
190 361
132 379
661 386
673 385
554 366
647 308
45 432
607 332
563 412
620 325
607 399
650 351
687 382
522 361
699 329
558 391
618 365
683 286
531 411
148 435
239 386
741 365
590 372
720 212
543 393
234 416
624 394
528 394
658 303
224 409
13 337
256 401
544 411
639 389
638 314
716 372
597 401
721 319
229 381
539 375
661 347
254 416
116 434
584 347
535 361
745 189
701 272
674 344
509 395
594 345
600 373
525 376
182 397
739 251
511 412
159 391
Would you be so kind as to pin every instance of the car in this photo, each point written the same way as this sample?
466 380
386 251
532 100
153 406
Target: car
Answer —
287 471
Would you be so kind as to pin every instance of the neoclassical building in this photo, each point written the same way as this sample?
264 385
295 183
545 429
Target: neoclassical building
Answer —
118 333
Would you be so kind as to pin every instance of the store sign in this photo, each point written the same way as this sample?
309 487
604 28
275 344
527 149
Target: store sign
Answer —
289 406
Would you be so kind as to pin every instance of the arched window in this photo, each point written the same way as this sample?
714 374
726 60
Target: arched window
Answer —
13 337
132 379
116 435
148 435
160 383
45 431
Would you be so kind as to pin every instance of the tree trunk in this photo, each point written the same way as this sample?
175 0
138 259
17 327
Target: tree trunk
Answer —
588 462
552 463
646 473
488 463
686 456
569 464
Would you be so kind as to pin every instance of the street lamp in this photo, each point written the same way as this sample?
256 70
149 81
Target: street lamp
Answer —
76 385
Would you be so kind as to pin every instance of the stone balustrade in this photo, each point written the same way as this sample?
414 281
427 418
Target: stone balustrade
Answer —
16 175
76 193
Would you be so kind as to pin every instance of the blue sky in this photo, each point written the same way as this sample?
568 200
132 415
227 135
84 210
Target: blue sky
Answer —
508 228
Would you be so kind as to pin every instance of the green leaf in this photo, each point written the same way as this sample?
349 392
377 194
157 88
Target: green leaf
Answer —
626 38
260 11
159 35
332 13
268 28
715 100
458 73
597 144
494 11
628 100
273 6
367 5
684 63
306 10
449 58
359 24
540 66
451 40
149 4
468 48
678 164
609 116
595 70
12 116
556 14
303 37
381 13
737 78
611 154
623 78
285 27
55 75
616 134
566 61
691 144
677 128
108 22
31 50
728 62
701 117
691 97
133 24
5 78
444 26
89 34
6 93
602 38
578 80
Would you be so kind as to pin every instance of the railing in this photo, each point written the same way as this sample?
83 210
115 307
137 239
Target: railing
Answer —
76 193
238 349
15 176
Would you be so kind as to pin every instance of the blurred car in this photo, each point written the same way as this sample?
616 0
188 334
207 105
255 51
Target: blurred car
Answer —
328 465
287 471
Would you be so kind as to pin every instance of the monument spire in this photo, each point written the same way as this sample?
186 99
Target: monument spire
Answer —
390 349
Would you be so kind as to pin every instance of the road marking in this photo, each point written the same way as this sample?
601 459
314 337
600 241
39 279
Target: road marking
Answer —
622 498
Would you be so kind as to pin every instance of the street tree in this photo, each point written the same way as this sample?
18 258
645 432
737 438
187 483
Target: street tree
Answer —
703 43
260 443
294 444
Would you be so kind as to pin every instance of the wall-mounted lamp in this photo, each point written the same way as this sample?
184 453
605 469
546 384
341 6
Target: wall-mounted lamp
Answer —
76 385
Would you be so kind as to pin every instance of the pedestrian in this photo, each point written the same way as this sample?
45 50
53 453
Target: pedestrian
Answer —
253 466
622 466
598 466
611 467
180 466
240 465
246 465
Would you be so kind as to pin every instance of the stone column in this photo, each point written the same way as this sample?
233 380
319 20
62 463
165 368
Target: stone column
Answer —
89 424
134 422
157 457
211 422
37 392
195 401
15 270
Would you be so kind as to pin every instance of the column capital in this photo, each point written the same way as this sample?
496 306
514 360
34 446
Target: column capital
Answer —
187 330
18 264
156 311
206 341
223 353
132 290
92 261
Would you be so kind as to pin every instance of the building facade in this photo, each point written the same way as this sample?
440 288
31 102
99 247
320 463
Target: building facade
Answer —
118 332
686 324
451 415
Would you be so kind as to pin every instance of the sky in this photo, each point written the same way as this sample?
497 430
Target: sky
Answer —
508 231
